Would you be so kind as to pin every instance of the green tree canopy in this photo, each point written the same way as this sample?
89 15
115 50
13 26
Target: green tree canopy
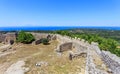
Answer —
24 37
45 41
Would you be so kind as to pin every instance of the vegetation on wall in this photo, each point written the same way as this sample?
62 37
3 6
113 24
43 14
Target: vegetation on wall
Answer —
24 37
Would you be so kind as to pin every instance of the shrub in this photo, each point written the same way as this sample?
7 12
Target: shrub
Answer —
24 37
45 41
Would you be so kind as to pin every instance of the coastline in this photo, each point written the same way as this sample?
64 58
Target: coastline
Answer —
52 28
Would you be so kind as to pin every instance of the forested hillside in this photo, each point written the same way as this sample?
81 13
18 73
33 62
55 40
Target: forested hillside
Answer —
114 34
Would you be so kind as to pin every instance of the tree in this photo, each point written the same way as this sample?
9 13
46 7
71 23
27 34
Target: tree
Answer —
24 37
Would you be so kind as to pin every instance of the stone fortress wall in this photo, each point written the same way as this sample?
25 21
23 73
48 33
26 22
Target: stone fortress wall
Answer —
81 46
44 35
77 44
112 61
2 37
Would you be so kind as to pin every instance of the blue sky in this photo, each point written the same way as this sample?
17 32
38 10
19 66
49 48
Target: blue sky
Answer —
59 13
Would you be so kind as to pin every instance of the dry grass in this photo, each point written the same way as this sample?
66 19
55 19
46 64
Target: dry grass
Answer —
36 53
57 64
1 44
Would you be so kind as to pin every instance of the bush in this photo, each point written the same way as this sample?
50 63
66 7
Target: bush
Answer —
45 41
24 37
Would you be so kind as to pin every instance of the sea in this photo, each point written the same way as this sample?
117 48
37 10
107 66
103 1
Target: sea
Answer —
52 28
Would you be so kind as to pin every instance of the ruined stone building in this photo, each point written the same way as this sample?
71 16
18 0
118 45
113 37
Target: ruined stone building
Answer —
2 37
8 38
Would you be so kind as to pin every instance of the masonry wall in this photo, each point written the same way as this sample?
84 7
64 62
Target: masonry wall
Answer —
112 64
39 35
77 44
2 37
66 46
81 45
6 38
44 35
9 37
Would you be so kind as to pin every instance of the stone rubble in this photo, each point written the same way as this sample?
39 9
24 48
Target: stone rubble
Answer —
41 63
17 68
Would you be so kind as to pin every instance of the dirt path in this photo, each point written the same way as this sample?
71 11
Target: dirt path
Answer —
4 46
4 66
6 53
16 68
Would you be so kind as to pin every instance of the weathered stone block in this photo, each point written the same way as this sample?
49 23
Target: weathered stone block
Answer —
65 47
38 41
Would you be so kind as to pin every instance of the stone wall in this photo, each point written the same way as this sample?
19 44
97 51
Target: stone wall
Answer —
9 37
82 45
90 65
111 60
111 63
79 47
2 37
65 47
96 48
44 35
39 35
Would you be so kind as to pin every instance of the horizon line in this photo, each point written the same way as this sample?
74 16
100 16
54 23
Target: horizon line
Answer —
59 26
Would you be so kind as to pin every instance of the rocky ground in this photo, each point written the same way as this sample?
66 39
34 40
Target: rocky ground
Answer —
38 59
